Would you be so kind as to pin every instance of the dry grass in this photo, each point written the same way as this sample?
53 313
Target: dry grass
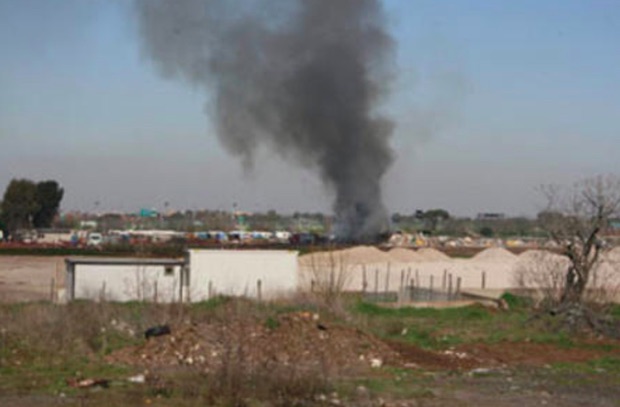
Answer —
72 340
328 281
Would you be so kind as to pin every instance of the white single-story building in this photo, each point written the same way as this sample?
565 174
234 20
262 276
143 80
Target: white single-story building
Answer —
201 275
249 273
124 279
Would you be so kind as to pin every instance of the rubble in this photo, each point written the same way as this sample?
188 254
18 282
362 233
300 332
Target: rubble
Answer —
295 339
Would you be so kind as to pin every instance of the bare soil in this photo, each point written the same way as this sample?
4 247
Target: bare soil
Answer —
296 339
29 278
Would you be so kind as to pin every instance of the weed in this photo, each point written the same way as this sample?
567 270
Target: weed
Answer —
516 301
272 323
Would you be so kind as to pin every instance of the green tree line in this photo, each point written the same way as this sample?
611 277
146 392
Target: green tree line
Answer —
27 204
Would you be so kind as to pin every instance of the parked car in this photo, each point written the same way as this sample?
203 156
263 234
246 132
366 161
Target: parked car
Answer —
94 239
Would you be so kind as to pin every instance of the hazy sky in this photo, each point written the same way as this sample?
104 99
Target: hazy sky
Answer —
490 99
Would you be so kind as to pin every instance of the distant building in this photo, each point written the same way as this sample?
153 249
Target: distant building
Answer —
54 236
491 216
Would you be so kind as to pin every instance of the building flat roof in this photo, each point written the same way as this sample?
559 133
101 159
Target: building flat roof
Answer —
125 261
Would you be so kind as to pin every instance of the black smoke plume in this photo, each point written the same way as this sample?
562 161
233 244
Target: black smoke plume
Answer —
303 77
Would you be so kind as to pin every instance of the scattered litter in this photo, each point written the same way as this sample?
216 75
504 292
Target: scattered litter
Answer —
87 383
376 363
459 355
296 339
480 371
140 378
158 330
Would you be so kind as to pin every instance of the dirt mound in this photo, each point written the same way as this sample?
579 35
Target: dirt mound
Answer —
297 339
429 254
538 256
495 254
347 257
401 255
613 255
365 255
328 259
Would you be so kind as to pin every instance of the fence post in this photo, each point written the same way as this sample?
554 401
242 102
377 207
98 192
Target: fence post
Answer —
387 284
52 286
430 293
364 281
210 289
102 292
484 280
458 287
259 290
443 281
449 286
376 284
408 275
418 283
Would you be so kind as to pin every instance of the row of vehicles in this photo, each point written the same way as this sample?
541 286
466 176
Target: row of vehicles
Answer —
84 238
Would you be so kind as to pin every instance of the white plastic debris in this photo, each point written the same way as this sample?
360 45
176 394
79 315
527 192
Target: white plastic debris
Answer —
376 362
139 378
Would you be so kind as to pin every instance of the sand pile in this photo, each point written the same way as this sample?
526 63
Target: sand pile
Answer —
539 267
495 254
294 339
613 256
348 257
540 256
330 259
401 255
365 255
429 254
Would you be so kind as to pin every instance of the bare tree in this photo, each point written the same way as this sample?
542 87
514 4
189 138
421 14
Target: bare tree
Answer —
575 219
330 273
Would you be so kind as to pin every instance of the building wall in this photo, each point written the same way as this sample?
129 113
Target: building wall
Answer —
127 282
236 272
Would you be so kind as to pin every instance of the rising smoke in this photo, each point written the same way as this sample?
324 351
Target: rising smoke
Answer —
302 77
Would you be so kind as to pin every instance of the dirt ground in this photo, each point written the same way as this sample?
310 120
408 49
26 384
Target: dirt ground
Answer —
494 356
29 278
299 339
504 374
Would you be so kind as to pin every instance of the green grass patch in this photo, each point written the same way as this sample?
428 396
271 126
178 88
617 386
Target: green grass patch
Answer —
516 301
390 383
604 365
443 328
614 311
469 313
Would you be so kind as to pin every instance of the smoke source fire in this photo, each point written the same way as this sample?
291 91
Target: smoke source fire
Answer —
302 77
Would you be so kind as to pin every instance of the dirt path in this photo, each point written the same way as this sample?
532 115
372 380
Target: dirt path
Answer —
29 278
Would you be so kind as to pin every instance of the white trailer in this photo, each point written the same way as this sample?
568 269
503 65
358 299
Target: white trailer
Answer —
250 273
